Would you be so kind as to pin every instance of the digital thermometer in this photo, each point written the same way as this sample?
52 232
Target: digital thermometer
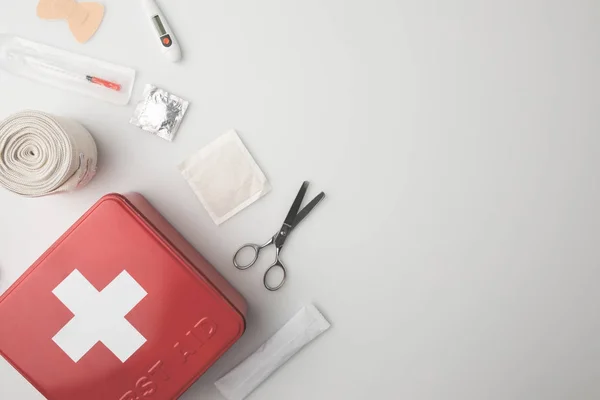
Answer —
165 37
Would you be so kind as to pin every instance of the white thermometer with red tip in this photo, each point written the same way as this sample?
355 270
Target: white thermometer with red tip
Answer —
164 34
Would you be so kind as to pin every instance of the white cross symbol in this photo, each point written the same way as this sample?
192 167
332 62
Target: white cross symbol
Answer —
99 316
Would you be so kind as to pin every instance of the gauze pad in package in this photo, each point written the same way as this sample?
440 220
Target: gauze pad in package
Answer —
225 177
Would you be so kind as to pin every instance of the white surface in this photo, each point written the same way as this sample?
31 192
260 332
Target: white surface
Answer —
456 254
99 316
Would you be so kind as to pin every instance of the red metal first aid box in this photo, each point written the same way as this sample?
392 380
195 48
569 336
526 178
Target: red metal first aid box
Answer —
121 307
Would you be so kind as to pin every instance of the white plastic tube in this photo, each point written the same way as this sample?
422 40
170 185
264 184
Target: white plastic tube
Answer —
304 327
41 154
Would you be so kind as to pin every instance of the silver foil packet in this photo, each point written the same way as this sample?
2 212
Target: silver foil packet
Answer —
159 112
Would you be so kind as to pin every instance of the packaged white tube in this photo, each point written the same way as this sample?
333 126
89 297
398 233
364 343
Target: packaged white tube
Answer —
65 70
304 327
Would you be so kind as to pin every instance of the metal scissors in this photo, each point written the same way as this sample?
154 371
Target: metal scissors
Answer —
293 218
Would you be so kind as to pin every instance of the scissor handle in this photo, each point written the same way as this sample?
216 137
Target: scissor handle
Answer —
255 248
276 264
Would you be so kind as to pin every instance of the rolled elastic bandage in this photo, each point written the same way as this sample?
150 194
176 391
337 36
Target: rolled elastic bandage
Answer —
42 154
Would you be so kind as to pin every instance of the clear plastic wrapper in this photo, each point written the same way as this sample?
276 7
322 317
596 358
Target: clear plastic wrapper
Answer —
65 70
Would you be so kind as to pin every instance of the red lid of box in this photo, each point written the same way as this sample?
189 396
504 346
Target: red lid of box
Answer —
113 312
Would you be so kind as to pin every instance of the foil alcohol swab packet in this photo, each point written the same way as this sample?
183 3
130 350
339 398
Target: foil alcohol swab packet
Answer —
299 331
159 112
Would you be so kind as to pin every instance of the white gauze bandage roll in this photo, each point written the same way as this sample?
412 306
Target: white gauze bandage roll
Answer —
42 154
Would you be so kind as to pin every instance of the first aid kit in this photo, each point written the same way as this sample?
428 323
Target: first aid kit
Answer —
121 307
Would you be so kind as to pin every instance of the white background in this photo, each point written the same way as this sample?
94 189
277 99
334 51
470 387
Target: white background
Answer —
458 142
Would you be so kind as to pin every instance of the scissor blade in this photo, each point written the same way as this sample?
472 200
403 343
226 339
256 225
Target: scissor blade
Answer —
289 220
308 208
